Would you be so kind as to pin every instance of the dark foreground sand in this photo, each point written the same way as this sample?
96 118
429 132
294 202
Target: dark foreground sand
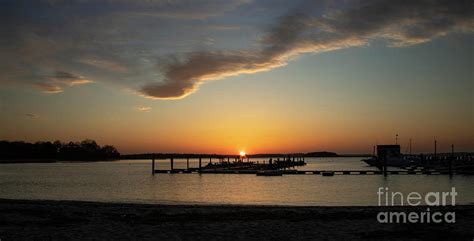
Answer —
71 220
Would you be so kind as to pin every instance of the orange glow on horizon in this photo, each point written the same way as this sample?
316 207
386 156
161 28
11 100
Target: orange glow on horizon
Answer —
242 153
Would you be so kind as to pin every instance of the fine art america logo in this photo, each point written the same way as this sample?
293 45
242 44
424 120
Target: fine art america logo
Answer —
431 199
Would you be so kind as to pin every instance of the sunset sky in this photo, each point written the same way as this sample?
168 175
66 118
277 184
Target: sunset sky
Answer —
225 76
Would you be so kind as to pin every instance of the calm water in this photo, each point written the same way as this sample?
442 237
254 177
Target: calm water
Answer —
131 181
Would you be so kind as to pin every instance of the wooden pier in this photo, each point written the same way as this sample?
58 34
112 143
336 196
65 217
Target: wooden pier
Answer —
307 172
288 167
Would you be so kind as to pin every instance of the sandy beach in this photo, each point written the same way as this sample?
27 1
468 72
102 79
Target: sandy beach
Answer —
74 220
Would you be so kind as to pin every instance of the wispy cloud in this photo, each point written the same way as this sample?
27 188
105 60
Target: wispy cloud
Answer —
55 83
401 23
66 78
104 64
48 88
144 109
103 40
31 116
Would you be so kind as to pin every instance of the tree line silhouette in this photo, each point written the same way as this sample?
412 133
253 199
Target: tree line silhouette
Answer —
84 150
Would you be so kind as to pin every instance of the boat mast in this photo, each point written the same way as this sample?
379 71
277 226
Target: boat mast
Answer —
410 146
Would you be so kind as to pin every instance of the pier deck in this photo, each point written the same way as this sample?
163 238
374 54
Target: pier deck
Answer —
307 172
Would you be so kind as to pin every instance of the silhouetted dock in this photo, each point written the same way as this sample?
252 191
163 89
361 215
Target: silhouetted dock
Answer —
241 165
287 166
310 172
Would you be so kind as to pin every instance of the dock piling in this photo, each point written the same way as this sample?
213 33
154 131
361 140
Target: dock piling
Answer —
200 164
171 161
187 163
153 165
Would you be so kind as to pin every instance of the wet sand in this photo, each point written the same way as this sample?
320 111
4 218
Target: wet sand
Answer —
74 220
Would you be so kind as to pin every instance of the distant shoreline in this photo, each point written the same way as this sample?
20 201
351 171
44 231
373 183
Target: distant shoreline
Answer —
158 157
30 161
77 220
204 155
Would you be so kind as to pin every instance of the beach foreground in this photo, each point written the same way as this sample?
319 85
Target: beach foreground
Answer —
74 220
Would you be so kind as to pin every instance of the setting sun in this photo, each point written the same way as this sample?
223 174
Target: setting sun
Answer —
242 153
